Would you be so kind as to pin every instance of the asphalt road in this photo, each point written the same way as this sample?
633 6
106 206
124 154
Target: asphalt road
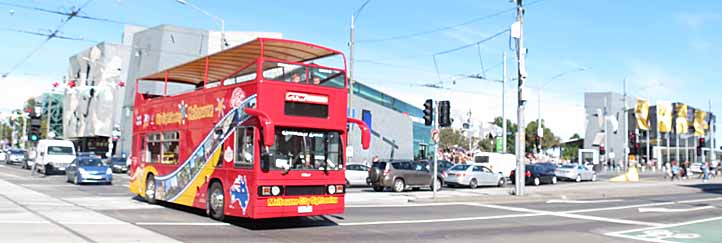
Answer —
628 219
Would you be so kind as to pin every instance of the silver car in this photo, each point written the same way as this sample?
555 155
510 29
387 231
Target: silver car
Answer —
575 172
473 175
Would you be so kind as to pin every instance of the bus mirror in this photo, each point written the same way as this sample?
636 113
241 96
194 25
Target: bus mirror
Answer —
365 132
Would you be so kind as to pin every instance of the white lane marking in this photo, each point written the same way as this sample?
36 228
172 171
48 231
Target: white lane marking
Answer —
181 224
621 233
673 210
569 215
9 175
619 207
419 221
405 205
23 222
583 201
701 200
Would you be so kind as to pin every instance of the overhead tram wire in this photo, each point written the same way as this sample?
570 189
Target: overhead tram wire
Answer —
52 35
57 36
436 65
71 14
449 27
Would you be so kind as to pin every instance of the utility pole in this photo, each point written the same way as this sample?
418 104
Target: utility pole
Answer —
47 130
539 128
503 106
712 156
606 134
520 134
351 69
626 127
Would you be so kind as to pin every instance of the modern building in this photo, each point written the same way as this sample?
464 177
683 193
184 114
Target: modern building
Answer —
397 128
605 132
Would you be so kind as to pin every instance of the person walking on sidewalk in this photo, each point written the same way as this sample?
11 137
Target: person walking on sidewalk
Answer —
705 171
675 170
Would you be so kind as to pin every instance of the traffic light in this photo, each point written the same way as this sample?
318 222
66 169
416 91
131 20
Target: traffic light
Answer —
34 134
602 150
537 143
444 113
700 145
428 112
633 146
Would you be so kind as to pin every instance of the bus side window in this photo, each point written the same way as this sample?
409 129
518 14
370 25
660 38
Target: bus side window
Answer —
244 147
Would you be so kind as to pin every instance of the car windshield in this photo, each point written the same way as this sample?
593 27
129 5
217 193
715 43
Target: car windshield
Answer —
460 167
379 165
17 152
306 150
90 162
569 166
118 161
60 150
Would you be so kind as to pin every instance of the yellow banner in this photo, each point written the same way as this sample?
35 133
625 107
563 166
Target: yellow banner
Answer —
682 126
664 116
641 112
699 123
301 201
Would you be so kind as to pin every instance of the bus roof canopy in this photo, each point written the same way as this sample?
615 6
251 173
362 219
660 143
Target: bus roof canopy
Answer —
225 63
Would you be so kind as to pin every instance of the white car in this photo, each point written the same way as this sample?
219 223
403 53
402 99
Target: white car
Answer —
356 175
472 176
575 172
54 155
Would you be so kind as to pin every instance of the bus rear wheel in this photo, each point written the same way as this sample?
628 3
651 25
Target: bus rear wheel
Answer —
150 189
216 202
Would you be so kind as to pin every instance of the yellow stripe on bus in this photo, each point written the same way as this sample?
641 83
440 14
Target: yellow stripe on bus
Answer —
188 196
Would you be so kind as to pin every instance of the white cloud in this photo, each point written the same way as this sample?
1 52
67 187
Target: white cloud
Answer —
18 88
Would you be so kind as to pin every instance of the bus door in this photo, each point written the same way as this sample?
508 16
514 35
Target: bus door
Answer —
239 175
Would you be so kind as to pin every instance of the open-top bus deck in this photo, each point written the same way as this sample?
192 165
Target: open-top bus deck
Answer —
258 130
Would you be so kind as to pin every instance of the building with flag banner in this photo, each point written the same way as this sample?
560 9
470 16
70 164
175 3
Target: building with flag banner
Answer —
657 131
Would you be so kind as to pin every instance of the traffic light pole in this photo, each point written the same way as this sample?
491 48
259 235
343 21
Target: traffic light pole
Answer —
520 134
436 157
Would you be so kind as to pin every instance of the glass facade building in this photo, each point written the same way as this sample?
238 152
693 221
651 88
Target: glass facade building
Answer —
421 133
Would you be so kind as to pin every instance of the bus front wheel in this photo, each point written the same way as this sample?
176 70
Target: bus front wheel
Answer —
150 189
216 202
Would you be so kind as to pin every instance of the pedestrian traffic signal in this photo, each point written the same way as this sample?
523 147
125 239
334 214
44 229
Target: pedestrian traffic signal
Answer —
34 133
444 113
602 151
537 143
700 145
428 112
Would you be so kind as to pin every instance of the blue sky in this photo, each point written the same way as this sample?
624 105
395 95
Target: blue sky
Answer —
666 49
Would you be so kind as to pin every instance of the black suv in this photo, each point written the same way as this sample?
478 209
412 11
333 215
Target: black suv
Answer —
401 175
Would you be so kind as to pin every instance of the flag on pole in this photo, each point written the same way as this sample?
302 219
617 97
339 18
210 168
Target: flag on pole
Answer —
664 116
682 125
641 113
699 124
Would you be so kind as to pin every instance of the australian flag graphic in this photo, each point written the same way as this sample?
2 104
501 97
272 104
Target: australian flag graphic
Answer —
239 193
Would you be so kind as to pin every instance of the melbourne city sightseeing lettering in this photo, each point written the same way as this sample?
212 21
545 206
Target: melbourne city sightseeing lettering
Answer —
301 201
176 117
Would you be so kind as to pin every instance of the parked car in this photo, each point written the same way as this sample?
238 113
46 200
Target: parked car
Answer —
118 164
695 168
88 169
16 156
401 175
3 155
54 155
357 175
575 172
472 176
536 174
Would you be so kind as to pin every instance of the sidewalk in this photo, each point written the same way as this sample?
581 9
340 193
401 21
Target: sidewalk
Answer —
30 216
579 191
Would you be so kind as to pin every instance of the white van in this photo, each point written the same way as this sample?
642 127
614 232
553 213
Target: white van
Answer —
497 162
54 155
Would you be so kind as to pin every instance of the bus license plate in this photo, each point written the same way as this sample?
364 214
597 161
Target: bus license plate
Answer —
305 209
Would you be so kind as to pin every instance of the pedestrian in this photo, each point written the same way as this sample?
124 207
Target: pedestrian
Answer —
705 171
34 169
685 167
675 171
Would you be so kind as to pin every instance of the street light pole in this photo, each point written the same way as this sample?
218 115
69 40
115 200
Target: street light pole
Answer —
224 43
351 69
503 106
520 135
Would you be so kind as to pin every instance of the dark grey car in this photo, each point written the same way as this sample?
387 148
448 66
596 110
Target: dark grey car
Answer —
401 175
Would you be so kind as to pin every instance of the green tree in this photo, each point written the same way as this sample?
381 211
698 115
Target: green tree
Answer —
449 137
549 140
510 133
570 151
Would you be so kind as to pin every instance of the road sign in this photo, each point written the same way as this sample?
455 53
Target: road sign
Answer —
435 135
499 143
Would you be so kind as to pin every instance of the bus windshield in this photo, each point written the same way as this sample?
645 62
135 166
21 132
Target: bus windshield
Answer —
306 150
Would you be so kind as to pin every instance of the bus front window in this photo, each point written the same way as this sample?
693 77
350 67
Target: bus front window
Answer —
298 149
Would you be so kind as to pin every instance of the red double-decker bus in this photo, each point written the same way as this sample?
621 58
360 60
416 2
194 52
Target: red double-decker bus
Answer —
257 131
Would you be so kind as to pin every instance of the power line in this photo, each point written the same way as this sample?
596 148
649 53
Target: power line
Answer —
57 36
440 29
71 14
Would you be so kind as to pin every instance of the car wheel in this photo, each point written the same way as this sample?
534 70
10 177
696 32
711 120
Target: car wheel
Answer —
348 184
76 181
537 181
150 189
438 185
594 177
473 184
554 180
578 179
216 202
378 188
399 185
501 182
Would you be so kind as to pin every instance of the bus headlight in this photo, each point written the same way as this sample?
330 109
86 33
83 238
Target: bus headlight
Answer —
275 191
331 189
